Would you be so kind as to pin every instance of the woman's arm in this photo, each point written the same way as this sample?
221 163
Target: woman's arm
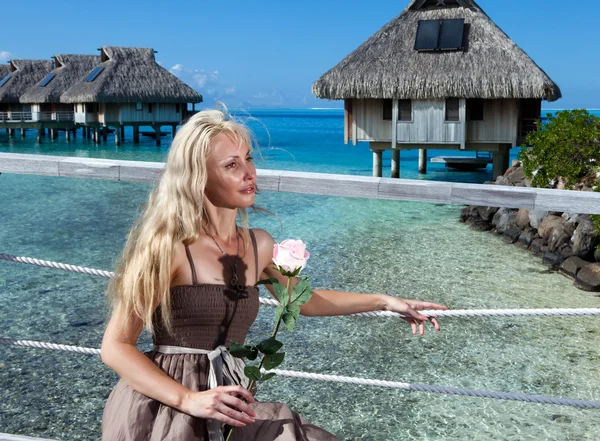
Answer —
330 303
143 375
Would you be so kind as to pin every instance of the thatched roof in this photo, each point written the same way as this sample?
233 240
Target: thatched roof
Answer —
4 70
24 74
131 75
388 66
69 70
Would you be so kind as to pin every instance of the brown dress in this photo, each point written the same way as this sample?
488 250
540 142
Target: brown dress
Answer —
204 316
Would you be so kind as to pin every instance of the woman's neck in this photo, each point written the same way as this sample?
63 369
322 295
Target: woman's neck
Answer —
221 223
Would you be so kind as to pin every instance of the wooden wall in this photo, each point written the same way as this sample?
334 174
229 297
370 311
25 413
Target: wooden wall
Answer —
429 124
499 125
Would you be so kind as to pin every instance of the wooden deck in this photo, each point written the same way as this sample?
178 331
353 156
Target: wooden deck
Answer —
542 199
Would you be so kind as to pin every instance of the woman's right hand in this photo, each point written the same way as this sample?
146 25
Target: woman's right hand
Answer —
222 404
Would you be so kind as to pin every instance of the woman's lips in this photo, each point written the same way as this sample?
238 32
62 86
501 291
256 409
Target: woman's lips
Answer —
249 190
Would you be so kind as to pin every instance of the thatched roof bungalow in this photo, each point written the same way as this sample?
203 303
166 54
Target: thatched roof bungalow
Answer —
21 76
440 75
128 87
45 96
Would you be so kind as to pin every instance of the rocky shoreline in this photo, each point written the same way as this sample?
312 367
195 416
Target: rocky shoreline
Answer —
566 242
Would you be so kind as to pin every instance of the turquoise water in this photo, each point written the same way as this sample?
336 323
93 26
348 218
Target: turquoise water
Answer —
405 249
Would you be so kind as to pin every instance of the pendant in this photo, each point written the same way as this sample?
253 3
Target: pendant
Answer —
235 283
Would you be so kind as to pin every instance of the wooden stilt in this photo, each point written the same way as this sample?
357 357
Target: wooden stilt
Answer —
118 136
23 133
104 133
395 163
500 161
67 135
123 132
136 134
157 130
174 132
96 135
11 132
377 163
39 135
422 161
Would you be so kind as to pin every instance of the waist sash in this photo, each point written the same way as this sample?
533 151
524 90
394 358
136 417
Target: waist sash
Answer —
224 369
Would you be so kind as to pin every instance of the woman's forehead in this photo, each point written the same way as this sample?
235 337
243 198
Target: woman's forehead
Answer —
227 144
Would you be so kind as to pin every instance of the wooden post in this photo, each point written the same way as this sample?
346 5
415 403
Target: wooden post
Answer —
118 136
157 130
52 133
377 163
395 163
498 163
96 135
23 133
75 133
40 135
422 161
174 132
67 135
11 132
122 132
395 151
104 133
136 134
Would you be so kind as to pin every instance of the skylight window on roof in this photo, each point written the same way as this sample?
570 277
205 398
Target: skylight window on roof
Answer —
451 34
427 35
94 74
46 80
4 80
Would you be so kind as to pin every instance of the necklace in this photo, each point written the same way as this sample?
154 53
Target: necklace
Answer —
235 281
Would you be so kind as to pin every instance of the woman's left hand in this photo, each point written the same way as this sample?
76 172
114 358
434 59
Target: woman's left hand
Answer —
411 308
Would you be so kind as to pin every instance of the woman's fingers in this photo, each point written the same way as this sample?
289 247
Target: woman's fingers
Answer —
238 390
236 403
435 323
228 416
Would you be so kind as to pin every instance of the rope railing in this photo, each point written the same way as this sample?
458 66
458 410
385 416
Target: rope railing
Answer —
455 313
414 387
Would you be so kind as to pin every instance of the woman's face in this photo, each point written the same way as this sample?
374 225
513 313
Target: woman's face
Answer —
231 181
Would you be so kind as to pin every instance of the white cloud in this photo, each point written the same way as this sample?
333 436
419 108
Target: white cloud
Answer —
5 56
230 90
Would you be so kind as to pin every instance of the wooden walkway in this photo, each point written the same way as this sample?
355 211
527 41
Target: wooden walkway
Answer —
542 199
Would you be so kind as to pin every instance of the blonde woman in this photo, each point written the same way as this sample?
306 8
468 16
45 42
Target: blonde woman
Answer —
187 275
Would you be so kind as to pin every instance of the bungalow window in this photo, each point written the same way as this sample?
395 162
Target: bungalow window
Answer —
452 109
475 109
92 107
404 110
138 106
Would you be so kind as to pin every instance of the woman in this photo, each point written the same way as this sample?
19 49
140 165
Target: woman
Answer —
187 275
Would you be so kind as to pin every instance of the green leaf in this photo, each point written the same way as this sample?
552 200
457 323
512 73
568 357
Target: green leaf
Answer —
254 353
302 292
241 351
269 346
282 293
278 313
268 376
268 281
273 360
252 372
289 321
294 310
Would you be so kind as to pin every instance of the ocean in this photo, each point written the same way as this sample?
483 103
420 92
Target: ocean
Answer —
406 249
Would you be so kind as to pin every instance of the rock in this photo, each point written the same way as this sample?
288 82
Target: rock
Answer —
536 217
585 239
572 265
561 184
552 259
517 176
464 214
487 213
537 245
511 235
548 224
506 222
588 277
503 180
565 251
597 255
497 215
481 225
522 219
558 238
527 236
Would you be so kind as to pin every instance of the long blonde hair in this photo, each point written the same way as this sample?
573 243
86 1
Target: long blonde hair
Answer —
175 212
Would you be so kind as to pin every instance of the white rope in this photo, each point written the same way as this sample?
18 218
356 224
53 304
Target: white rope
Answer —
455 313
354 380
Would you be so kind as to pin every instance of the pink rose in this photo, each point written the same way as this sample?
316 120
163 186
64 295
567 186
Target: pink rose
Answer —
290 255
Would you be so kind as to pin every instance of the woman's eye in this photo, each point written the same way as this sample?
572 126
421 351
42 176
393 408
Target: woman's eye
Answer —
230 165
249 159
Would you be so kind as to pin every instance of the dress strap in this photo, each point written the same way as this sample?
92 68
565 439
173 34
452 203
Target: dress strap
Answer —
255 252
189 256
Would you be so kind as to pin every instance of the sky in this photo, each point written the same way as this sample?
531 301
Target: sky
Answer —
268 53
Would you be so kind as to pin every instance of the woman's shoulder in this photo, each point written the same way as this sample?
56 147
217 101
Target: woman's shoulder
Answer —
263 237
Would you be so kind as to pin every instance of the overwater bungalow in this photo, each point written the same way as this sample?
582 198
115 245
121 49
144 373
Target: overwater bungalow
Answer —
128 88
441 75
47 108
22 74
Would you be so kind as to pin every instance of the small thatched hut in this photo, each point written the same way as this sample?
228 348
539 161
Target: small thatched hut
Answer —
440 75
44 97
21 76
128 87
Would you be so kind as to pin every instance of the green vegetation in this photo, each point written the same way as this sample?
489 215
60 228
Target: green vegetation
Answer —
566 145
